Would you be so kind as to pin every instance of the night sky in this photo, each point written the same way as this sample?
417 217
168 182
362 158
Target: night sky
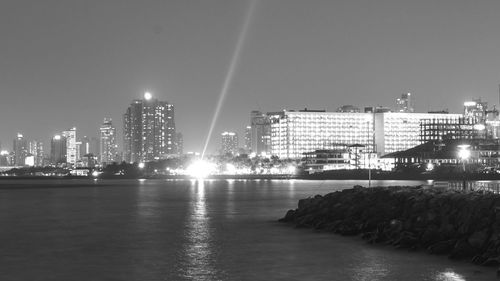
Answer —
72 63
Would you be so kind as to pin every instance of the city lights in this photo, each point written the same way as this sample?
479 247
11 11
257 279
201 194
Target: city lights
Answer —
200 169
148 96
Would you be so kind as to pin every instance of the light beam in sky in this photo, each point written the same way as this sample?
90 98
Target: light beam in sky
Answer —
230 72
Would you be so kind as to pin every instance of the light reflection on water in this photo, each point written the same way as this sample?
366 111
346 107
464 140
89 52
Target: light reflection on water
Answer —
192 230
371 268
198 252
449 275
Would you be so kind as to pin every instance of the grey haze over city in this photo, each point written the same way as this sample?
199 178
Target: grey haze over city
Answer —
73 63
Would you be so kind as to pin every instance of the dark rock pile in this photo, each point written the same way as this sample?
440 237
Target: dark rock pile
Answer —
460 225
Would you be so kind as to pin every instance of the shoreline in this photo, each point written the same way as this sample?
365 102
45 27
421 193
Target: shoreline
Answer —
462 226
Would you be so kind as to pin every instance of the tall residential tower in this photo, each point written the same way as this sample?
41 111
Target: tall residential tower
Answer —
107 142
148 130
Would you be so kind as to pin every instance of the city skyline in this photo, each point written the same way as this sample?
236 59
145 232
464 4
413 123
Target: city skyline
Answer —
82 62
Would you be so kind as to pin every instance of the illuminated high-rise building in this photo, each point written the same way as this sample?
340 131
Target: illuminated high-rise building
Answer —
475 110
405 103
148 130
229 143
71 147
36 150
84 146
58 150
260 132
108 142
20 149
248 139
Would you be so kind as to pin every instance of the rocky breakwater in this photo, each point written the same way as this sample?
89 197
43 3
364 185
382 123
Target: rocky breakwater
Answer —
460 225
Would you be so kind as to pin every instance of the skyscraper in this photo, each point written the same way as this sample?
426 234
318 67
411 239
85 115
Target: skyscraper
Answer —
248 139
229 143
58 150
107 142
148 130
261 132
71 147
475 110
36 150
20 150
405 103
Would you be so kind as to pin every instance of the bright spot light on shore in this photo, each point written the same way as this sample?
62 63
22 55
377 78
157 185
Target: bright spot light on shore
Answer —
292 169
200 169
141 165
147 96
429 167
464 151
230 169
95 174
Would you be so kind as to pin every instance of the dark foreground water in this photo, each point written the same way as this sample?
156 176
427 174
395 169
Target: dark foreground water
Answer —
190 230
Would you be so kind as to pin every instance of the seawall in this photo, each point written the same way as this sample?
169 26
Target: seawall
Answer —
459 225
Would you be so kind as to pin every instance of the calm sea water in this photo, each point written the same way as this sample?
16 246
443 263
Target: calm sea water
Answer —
190 230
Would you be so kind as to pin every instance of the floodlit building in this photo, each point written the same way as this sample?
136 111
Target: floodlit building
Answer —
296 132
107 142
20 148
229 143
398 131
148 130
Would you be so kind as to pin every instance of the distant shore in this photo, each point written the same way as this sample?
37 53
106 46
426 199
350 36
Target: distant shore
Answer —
328 175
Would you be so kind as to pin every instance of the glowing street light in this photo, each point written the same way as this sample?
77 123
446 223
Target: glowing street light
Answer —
464 154
141 165
147 96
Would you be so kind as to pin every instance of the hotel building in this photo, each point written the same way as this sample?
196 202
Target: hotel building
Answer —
295 132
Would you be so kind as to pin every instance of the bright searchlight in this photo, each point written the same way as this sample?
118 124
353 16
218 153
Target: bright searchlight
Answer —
200 169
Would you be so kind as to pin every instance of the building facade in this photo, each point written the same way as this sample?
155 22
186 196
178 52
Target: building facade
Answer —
248 139
229 143
398 131
107 142
20 149
260 133
148 130
58 150
36 151
405 103
72 153
296 132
